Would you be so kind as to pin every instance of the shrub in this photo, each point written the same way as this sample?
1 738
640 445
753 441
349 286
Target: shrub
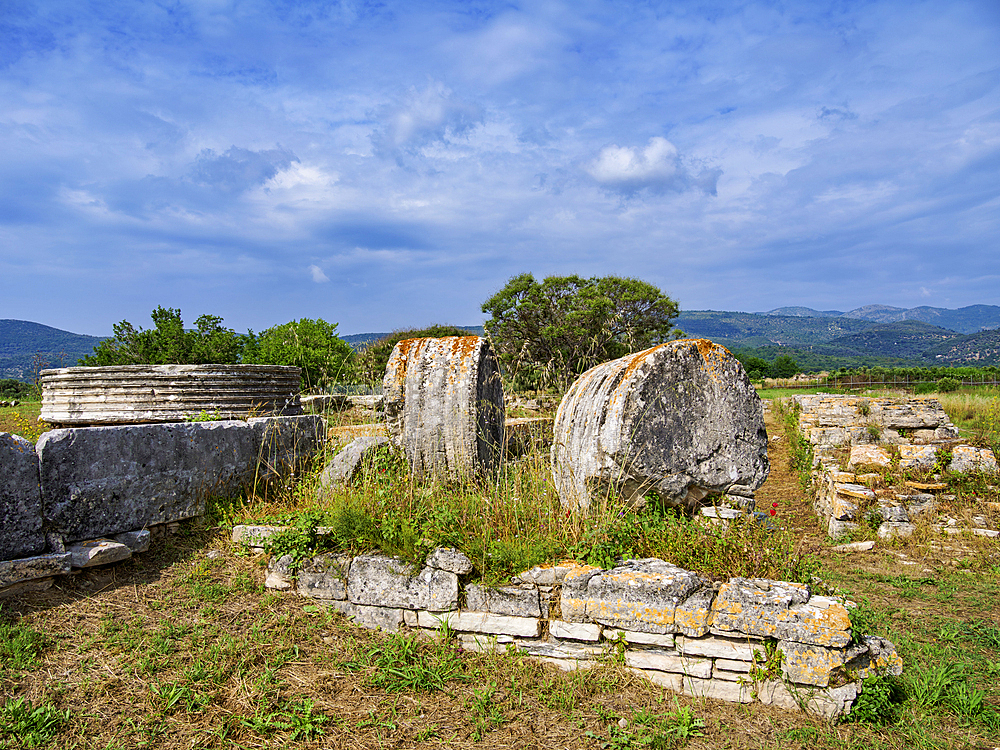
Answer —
947 385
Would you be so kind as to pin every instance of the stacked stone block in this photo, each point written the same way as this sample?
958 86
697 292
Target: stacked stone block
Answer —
881 434
743 640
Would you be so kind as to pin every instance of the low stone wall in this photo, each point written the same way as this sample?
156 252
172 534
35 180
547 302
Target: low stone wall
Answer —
744 640
875 436
83 496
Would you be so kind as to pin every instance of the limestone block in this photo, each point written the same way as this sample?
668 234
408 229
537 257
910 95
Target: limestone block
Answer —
573 595
924 436
965 458
26 587
97 552
671 681
837 528
644 595
778 609
807 664
947 432
668 661
344 466
832 703
869 455
894 529
137 541
874 656
518 601
339 605
254 536
681 420
575 631
31 568
893 513
917 456
909 414
775 693
721 690
730 665
325 577
572 651
280 576
378 580
738 649
922 502
389 619
286 445
693 615
483 622
548 575
444 405
21 532
633 637
100 481
450 559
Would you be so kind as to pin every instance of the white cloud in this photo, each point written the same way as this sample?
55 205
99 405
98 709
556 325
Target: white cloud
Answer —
657 168
317 274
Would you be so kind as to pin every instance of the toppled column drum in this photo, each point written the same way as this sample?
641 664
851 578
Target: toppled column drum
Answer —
444 405
681 420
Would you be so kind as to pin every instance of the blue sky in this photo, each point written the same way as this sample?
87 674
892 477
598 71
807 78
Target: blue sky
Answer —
383 165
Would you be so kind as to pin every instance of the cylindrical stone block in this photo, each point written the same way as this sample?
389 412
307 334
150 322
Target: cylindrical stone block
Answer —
681 420
137 394
444 405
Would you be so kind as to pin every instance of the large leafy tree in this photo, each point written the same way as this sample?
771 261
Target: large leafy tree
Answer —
546 333
169 343
312 345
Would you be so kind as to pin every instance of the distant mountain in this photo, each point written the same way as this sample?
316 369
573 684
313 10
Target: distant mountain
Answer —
804 312
976 349
907 339
25 345
752 329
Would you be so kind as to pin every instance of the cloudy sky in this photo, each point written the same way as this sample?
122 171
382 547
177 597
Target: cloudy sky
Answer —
388 164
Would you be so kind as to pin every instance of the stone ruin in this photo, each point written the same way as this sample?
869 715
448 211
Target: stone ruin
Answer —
88 496
744 640
680 420
857 440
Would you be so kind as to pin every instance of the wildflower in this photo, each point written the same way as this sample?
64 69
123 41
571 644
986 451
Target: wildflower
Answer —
774 509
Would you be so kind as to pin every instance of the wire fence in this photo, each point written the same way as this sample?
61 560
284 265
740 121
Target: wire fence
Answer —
863 382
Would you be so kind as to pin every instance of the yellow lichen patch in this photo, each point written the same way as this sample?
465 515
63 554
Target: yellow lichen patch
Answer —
627 612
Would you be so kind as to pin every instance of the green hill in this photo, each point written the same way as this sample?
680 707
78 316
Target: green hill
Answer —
907 339
976 349
26 347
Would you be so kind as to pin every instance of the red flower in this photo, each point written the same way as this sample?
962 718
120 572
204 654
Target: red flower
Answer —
773 512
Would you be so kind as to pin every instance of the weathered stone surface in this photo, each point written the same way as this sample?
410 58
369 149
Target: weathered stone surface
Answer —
778 609
807 664
483 622
668 661
279 573
254 536
853 547
775 693
965 458
97 552
549 575
730 665
573 597
26 587
869 455
444 404
450 559
344 466
646 595
739 649
137 541
389 619
668 680
576 631
917 456
894 529
874 656
133 394
632 637
383 581
30 568
518 601
325 577
99 481
21 532
681 419
570 651
286 445
722 690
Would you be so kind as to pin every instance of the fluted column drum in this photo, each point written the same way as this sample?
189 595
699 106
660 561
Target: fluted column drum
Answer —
136 394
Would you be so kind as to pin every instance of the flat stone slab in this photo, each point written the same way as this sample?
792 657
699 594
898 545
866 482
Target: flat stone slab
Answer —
965 458
483 622
101 481
517 601
346 464
378 580
30 568
97 552
648 596
782 610
137 541
21 532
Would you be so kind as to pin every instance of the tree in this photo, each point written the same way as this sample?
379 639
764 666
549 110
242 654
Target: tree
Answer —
548 333
374 357
784 367
168 343
312 345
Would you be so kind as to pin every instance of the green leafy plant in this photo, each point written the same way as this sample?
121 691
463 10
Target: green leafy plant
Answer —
31 726
20 645
880 702
948 384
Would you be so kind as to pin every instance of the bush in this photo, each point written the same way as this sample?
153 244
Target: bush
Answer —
947 385
312 345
